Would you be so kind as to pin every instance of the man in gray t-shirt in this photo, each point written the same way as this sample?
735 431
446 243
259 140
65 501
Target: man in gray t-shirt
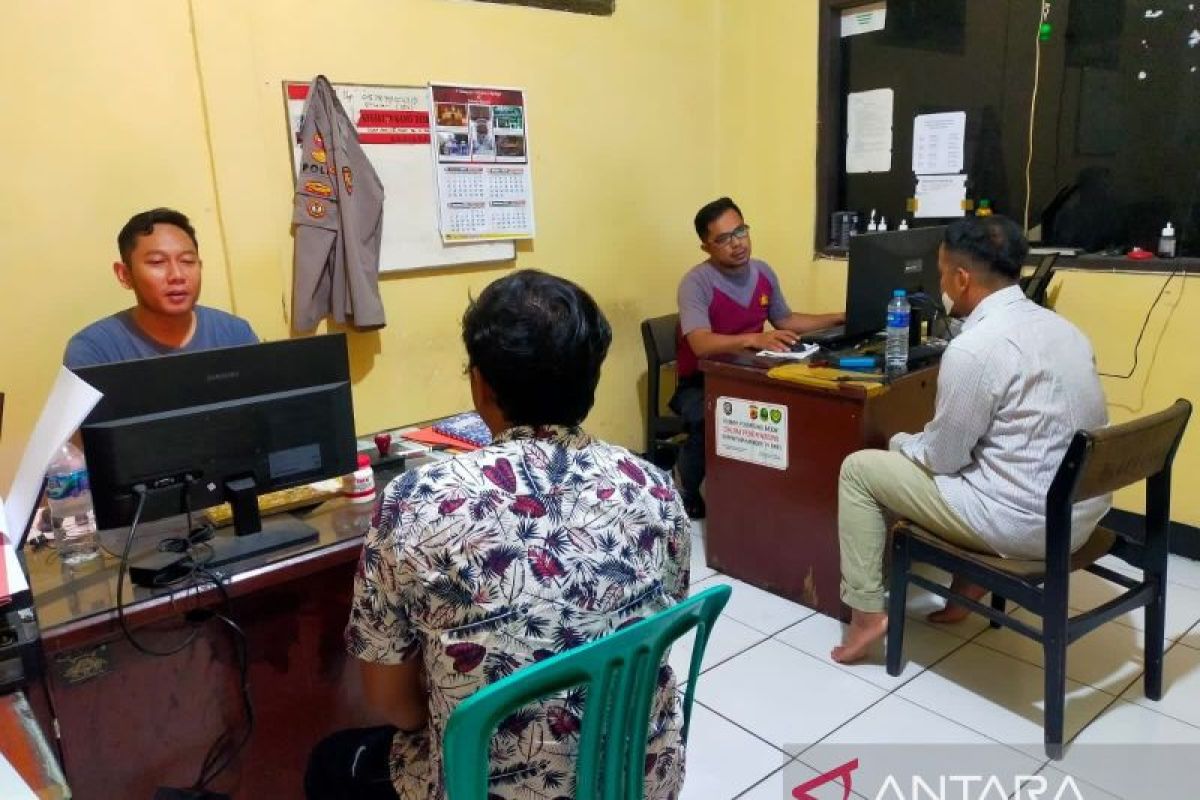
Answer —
724 305
160 264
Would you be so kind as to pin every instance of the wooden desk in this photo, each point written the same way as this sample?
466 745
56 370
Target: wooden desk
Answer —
23 743
777 529
131 722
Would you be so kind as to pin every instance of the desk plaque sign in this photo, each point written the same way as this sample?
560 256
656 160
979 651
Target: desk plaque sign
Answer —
751 431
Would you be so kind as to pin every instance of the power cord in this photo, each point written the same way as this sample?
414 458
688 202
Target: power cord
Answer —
122 568
1044 15
212 766
223 751
1145 322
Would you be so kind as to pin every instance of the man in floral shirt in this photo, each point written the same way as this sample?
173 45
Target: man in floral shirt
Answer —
496 559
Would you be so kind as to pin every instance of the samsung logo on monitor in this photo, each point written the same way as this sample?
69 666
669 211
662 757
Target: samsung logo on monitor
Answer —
222 376
912 266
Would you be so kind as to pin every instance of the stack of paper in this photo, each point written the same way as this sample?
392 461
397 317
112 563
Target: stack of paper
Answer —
70 401
804 352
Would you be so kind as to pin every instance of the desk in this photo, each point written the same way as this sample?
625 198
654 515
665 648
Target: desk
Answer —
777 529
131 723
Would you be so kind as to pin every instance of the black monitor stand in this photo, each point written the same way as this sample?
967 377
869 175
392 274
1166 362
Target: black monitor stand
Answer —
253 537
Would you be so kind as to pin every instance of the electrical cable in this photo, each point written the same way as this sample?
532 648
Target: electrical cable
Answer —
1037 69
212 766
122 568
1145 322
223 751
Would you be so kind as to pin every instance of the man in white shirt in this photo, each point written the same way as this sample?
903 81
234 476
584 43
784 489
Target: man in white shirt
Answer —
1013 388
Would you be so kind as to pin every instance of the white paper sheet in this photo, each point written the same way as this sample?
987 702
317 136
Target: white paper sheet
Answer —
14 579
12 785
69 403
791 355
940 195
938 143
869 131
864 19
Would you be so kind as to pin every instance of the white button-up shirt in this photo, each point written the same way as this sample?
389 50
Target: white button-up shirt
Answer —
1014 387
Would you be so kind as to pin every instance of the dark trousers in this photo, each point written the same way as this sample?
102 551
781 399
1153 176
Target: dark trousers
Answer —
688 403
352 765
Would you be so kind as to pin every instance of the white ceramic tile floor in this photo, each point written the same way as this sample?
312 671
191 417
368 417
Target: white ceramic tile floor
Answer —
779 784
1183 603
923 645
699 570
722 759
752 606
999 696
769 689
1181 687
1108 658
728 638
1134 752
920 602
897 738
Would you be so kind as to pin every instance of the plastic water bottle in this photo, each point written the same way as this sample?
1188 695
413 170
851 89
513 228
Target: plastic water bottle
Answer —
899 312
69 497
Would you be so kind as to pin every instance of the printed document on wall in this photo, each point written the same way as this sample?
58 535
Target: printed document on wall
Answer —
940 195
864 19
938 143
481 145
869 131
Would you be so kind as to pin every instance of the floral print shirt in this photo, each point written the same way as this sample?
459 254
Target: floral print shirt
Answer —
499 558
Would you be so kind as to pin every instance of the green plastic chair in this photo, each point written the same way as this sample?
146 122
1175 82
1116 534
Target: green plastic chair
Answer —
621 674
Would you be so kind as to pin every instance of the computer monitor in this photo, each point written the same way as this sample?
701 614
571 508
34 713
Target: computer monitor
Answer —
883 262
198 429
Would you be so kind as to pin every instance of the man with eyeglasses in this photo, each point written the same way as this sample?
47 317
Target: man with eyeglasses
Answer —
724 303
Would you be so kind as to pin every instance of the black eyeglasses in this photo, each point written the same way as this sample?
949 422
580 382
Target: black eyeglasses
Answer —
740 232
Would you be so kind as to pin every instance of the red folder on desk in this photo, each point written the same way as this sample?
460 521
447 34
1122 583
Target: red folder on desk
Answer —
431 437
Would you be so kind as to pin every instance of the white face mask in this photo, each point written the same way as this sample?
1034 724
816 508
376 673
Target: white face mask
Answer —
947 303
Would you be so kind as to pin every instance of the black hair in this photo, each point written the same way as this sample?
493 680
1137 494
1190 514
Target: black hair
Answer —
710 212
538 341
994 243
142 224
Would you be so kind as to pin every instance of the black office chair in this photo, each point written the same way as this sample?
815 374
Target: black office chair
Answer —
1097 462
658 336
1035 285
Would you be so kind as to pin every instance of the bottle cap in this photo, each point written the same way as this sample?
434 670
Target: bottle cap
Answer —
364 460
1169 230
899 293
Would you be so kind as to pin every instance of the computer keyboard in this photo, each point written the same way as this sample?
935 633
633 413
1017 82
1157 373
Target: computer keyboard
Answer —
834 338
825 337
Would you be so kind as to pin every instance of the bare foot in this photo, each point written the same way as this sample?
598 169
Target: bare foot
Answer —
866 628
953 612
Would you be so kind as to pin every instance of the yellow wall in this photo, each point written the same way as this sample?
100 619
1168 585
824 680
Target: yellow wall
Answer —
126 108
635 119
101 117
1110 309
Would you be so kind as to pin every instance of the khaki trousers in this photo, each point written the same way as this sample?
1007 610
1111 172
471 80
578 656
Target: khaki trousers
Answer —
872 485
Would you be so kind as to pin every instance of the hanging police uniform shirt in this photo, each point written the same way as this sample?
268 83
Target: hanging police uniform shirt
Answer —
338 218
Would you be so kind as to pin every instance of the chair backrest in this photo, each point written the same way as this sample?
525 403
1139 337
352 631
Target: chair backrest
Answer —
620 672
1121 455
658 337
1035 289
1101 461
